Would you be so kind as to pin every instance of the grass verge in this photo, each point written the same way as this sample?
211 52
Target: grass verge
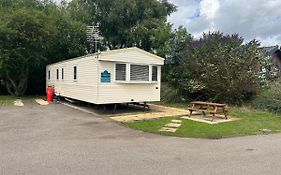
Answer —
7 100
251 123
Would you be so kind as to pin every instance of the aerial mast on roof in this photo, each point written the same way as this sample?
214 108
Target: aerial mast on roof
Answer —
93 37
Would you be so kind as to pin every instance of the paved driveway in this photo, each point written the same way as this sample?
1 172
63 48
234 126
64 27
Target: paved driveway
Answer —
55 139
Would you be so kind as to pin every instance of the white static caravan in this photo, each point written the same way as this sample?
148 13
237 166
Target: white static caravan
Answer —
117 76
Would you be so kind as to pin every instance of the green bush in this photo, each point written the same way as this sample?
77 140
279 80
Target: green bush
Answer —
217 67
269 99
170 94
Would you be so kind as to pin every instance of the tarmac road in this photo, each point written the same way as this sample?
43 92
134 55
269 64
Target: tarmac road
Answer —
56 139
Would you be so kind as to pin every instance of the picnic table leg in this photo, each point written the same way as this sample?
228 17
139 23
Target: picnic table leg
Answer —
190 112
213 117
202 107
214 114
225 113
204 113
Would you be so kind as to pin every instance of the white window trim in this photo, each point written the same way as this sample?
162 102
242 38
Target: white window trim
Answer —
150 73
128 71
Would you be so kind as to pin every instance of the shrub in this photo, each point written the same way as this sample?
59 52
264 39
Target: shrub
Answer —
170 94
218 68
269 99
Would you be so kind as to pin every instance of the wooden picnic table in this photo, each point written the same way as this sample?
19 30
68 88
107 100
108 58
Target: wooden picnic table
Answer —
205 107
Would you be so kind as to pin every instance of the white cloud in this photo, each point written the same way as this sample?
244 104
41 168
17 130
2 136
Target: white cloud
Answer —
260 19
208 8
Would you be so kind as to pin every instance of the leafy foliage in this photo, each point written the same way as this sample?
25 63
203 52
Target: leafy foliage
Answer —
169 94
21 34
33 34
269 99
125 23
217 67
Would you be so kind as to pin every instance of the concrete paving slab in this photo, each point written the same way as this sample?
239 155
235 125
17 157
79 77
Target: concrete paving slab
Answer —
208 119
41 102
176 121
162 111
167 129
18 102
173 125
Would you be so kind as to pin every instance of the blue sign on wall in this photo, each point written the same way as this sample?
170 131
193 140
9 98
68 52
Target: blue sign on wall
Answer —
105 77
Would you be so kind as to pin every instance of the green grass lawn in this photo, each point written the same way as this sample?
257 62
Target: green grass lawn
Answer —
174 105
250 123
7 100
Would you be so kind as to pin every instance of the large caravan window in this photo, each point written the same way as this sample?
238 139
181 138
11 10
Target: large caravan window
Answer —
154 73
75 72
57 74
62 73
120 72
49 75
139 72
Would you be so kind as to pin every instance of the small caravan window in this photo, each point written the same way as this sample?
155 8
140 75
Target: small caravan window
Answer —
120 72
75 72
139 72
49 74
57 74
62 73
154 73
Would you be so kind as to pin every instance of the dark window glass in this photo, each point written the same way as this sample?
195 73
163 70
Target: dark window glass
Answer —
49 75
139 72
62 73
154 73
120 72
57 74
75 72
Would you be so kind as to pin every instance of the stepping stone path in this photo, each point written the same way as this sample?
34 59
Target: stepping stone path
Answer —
41 102
171 127
166 129
18 102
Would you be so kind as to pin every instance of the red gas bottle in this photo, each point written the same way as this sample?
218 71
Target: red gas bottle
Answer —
50 94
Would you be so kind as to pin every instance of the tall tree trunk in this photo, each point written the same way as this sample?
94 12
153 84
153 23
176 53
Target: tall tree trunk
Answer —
17 88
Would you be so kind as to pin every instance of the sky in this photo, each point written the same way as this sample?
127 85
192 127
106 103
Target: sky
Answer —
251 19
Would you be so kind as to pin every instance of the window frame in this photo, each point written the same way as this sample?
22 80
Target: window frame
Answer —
49 75
75 72
147 65
62 73
126 73
58 74
152 66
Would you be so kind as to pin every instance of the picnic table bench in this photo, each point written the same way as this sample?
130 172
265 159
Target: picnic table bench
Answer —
212 108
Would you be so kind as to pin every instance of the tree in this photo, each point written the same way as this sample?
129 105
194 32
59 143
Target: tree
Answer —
23 37
126 23
174 57
33 34
219 68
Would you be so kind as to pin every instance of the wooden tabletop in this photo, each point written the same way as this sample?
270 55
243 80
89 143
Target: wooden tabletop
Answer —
208 103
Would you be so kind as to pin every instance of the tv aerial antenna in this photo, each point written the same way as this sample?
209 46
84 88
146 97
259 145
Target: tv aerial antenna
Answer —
93 37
